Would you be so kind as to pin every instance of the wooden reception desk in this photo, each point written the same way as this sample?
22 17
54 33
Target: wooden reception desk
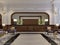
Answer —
31 28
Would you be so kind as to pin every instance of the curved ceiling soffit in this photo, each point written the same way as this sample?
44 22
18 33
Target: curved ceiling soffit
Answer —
29 12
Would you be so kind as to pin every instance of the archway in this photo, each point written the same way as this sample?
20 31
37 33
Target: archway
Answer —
38 15
30 21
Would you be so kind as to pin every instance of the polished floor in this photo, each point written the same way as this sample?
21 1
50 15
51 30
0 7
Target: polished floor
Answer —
30 39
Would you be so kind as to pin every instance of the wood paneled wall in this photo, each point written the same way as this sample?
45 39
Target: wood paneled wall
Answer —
30 21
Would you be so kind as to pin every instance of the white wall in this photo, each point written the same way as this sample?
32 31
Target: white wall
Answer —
57 8
6 19
31 7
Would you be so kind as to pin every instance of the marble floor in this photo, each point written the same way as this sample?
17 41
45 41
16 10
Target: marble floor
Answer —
57 39
5 38
30 39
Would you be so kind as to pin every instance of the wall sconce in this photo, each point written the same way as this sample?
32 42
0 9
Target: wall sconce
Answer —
46 21
57 25
15 21
3 26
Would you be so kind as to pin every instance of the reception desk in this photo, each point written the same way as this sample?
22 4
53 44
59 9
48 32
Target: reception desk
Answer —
31 28
30 39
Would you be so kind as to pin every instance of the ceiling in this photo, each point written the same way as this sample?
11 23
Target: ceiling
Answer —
20 4
27 1
22 1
